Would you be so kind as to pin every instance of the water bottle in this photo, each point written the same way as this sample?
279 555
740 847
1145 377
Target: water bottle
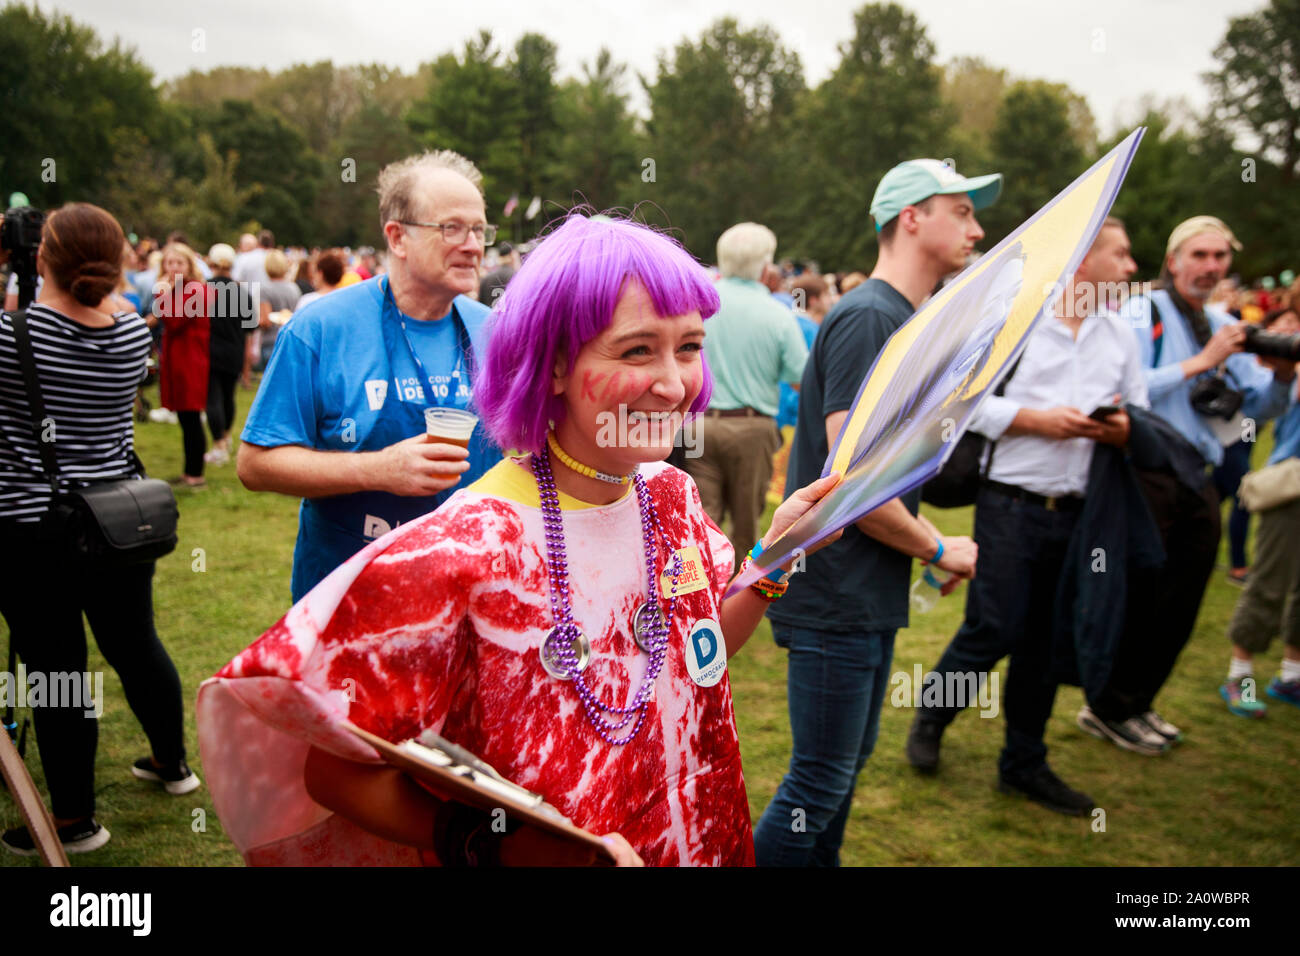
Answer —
925 590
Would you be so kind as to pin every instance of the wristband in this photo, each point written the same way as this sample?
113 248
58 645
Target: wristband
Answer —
938 554
755 553
765 588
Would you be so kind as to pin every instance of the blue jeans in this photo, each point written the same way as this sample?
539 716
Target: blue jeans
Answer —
836 685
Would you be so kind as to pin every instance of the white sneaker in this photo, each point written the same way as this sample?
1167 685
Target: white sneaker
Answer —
1132 734
163 416
1163 727
217 456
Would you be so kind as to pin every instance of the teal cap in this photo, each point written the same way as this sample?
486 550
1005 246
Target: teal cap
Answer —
918 179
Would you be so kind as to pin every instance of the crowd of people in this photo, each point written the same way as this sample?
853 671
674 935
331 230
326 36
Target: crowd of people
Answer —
553 599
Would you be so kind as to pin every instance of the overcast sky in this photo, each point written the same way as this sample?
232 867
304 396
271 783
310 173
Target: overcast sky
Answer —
1112 51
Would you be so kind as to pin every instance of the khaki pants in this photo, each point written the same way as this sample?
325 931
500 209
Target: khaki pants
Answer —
1270 604
733 472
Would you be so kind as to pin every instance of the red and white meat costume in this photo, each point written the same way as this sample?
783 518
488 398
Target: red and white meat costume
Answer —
437 626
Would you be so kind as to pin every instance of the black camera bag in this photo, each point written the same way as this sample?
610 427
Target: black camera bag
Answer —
123 520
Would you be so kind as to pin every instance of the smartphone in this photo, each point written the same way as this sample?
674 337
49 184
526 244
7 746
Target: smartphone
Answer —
1103 412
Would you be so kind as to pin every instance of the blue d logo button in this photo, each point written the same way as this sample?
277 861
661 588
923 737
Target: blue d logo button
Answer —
706 655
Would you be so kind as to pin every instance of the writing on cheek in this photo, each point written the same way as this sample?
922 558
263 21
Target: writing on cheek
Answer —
637 383
589 382
611 387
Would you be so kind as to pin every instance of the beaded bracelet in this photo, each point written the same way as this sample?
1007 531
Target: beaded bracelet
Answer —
765 588
768 589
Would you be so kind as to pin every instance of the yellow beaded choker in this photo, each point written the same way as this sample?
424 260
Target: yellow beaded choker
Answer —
580 468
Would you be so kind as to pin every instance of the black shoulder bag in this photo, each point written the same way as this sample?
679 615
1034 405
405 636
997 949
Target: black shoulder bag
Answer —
124 520
958 481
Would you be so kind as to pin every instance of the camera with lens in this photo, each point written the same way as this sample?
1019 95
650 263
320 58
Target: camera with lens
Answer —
1213 397
1272 344
20 237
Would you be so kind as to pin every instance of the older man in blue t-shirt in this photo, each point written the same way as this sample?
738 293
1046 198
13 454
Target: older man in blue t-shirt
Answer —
339 419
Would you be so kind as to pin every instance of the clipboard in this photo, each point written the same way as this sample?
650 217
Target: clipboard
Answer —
456 774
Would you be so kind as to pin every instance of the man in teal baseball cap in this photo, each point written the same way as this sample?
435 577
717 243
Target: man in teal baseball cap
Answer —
915 181
838 619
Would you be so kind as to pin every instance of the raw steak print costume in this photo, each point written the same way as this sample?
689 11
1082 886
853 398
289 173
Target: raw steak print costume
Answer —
437 626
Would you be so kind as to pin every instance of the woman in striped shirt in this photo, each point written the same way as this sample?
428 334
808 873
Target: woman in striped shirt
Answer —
89 361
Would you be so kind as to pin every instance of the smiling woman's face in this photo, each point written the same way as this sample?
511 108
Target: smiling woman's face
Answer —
630 386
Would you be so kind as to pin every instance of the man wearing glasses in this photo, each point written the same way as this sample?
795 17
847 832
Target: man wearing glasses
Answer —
339 418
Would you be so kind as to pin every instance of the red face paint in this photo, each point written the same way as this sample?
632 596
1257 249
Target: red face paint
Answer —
589 383
637 383
611 388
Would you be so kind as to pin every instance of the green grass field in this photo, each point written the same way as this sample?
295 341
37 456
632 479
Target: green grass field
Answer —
1222 798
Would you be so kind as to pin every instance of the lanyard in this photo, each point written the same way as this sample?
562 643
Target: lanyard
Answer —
391 311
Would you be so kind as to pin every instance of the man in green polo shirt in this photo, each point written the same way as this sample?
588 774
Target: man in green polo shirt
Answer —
753 345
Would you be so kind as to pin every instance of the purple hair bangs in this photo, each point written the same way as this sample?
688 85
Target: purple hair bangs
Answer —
562 297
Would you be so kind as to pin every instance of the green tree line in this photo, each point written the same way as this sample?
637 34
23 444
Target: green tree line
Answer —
733 131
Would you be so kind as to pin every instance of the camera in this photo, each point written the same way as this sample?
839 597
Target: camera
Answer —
20 236
1215 398
1272 344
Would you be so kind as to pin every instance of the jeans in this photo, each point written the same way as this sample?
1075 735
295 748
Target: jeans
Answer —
1009 609
837 683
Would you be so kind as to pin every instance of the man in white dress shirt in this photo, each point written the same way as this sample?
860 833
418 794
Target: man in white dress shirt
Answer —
1083 359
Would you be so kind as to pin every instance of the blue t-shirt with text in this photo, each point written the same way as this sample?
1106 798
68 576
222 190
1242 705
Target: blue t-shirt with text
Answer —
342 378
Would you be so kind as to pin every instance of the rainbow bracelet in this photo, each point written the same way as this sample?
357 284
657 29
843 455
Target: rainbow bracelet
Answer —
765 588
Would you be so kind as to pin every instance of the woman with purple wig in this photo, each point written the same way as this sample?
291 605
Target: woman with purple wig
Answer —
562 618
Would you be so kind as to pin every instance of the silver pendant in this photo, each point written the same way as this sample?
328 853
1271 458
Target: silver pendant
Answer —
644 620
549 652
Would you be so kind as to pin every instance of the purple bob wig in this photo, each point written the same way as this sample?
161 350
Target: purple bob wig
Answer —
564 296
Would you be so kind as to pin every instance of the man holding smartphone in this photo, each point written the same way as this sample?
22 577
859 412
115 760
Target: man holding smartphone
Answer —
1065 395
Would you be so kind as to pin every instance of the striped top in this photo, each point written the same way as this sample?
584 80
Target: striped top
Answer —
88 379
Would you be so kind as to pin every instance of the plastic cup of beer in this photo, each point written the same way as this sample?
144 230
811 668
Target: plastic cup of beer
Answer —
451 426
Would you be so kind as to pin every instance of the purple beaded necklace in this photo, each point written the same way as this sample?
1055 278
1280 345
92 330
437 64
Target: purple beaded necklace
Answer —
565 650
